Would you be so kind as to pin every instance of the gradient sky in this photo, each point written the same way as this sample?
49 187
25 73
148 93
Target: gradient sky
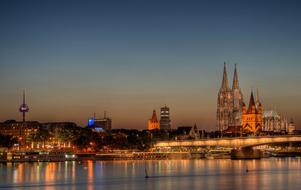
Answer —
75 58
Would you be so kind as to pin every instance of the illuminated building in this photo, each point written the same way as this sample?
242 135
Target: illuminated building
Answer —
274 122
229 103
30 128
21 130
271 121
165 118
100 124
252 118
230 107
153 122
237 101
291 127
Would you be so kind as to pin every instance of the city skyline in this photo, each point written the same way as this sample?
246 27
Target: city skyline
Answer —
85 123
75 59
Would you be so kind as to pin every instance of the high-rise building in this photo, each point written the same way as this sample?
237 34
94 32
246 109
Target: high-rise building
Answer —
153 122
100 124
165 118
229 103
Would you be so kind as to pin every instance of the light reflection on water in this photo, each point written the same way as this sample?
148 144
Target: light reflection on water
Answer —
270 173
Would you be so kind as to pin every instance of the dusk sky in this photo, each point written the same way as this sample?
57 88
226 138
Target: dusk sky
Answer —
75 58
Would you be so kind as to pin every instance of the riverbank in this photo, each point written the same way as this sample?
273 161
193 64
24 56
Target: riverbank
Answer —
60 156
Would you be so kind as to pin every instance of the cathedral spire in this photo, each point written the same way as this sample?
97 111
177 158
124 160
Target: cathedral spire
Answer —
225 84
235 79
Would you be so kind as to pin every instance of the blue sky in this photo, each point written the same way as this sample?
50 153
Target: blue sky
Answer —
75 58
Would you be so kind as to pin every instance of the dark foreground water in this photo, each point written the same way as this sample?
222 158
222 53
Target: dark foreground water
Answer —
270 173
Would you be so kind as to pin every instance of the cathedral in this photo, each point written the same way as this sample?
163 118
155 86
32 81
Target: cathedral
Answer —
231 109
233 116
229 103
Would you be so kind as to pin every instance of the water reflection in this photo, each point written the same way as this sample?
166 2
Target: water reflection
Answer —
168 175
50 172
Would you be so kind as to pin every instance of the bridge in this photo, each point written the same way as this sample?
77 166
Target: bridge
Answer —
241 142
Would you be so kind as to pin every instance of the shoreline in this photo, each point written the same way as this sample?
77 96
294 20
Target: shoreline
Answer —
80 157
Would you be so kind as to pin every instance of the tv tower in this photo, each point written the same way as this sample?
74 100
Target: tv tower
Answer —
23 107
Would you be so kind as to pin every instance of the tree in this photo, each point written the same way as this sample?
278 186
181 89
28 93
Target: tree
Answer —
7 141
42 135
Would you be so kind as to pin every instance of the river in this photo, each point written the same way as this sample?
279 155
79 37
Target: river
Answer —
271 173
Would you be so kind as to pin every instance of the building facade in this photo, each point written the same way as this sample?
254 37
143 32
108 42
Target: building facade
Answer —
271 121
153 122
274 122
229 103
252 118
100 124
165 118
291 127
21 130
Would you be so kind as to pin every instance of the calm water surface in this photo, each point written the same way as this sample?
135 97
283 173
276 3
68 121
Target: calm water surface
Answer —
270 173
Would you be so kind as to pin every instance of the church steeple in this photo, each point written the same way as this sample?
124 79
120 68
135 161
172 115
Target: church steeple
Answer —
235 84
257 97
225 85
252 119
252 106
258 103
154 117
224 103
153 122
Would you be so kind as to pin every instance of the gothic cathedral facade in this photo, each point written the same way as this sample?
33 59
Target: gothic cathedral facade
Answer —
229 102
231 109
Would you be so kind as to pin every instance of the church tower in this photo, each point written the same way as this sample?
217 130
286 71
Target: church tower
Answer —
224 104
153 123
252 118
237 101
